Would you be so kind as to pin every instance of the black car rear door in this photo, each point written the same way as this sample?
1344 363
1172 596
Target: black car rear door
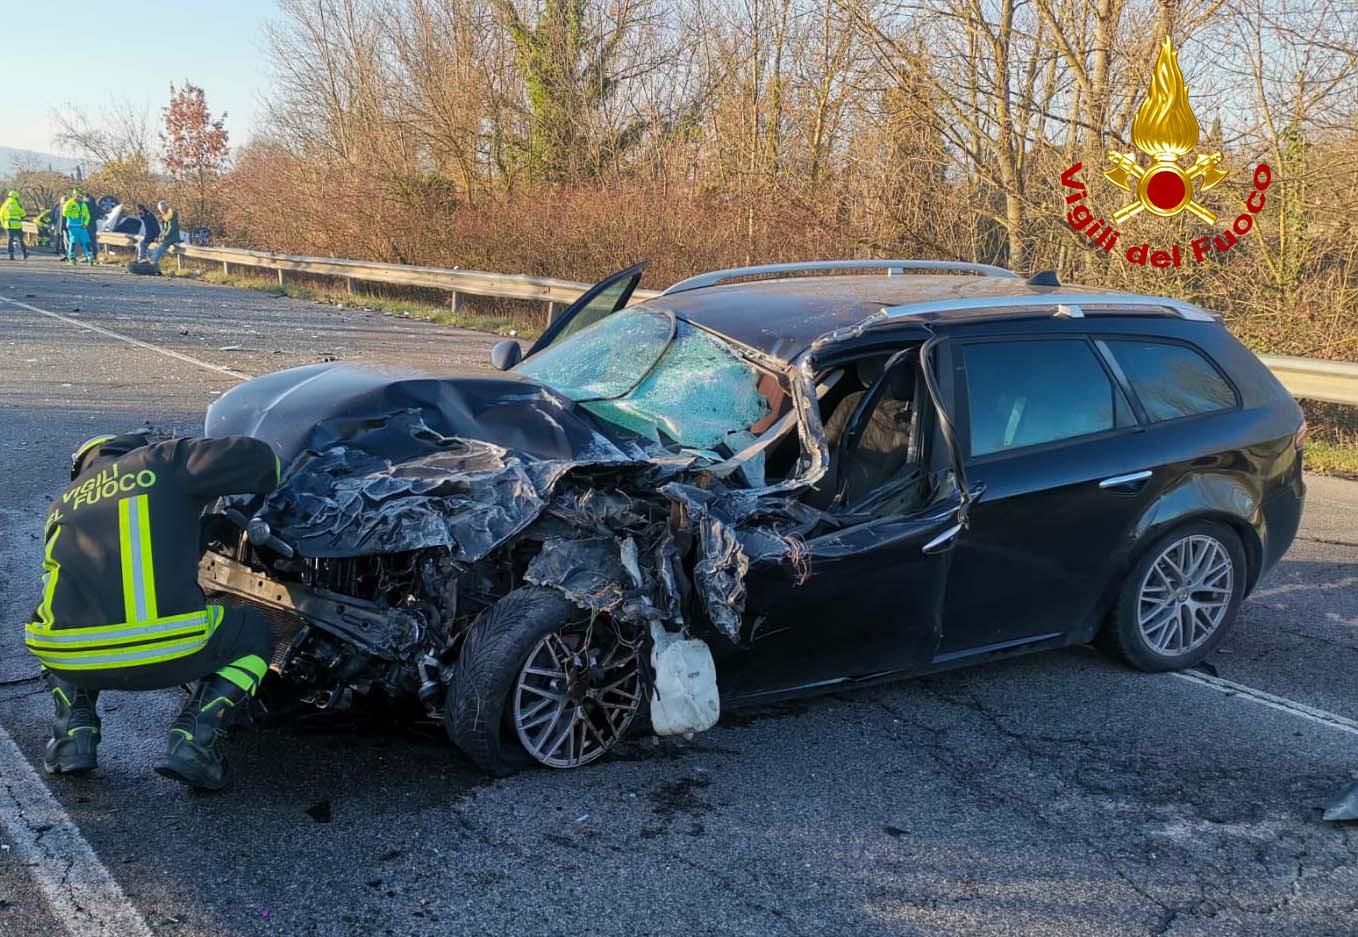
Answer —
1051 437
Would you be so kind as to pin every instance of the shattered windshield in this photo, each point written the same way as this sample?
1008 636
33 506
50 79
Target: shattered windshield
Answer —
604 359
643 371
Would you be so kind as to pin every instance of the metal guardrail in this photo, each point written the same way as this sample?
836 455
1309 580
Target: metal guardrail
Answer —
1315 379
455 282
1312 379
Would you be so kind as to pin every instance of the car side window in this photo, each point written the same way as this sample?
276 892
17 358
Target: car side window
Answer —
1026 393
600 307
1171 380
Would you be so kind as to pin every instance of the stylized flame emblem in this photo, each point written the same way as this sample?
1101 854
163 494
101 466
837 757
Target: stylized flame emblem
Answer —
1164 127
1166 130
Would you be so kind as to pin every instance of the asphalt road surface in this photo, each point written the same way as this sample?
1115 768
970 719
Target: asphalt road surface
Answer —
1060 794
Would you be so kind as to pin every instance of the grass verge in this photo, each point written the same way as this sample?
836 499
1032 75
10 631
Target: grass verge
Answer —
495 323
1332 438
1328 459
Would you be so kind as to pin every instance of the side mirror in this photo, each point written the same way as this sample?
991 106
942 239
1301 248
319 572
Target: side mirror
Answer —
504 355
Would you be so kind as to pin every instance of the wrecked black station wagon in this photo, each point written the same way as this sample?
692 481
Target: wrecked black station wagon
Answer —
764 482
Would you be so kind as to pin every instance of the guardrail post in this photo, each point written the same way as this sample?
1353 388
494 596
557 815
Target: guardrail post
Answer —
280 276
455 302
553 311
226 269
349 284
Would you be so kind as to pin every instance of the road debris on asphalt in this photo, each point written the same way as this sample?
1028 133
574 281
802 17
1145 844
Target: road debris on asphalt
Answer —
1344 808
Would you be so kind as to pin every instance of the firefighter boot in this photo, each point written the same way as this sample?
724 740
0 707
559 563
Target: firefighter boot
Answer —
191 755
75 731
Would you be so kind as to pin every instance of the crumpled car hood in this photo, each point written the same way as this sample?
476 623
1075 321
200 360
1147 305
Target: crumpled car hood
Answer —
316 407
384 462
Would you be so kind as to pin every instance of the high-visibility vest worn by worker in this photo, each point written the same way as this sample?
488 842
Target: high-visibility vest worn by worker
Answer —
12 214
120 572
76 212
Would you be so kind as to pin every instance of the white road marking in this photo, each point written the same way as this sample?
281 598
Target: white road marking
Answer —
233 373
1280 703
82 894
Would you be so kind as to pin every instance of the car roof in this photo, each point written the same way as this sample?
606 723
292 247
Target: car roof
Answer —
783 317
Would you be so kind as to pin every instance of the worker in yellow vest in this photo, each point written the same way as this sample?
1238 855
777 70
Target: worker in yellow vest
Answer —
12 220
78 221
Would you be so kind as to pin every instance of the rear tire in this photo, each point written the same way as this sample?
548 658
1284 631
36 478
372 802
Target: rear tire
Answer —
1179 600
504 697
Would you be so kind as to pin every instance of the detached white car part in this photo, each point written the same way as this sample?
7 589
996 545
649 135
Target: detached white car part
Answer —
685 699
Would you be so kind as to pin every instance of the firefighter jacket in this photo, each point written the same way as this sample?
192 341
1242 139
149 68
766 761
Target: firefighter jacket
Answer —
12 214
120 574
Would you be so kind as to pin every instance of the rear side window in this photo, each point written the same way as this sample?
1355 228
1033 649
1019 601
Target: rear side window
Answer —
1033 392
1172 380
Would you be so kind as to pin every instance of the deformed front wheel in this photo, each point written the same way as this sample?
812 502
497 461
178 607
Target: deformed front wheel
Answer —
539 681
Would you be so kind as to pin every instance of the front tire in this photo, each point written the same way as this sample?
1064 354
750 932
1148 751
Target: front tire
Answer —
539 682
1180 599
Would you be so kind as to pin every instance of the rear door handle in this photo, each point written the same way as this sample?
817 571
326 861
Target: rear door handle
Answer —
1132 481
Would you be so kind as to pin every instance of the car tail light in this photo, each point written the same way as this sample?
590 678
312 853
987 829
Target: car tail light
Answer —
1299 438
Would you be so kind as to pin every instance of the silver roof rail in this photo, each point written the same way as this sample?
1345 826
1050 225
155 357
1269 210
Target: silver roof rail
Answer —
892 267
1066 304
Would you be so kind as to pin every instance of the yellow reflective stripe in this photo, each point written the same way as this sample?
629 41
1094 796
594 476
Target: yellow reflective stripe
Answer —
212 612
71 638
236 676
125 553
148 566
139 574
178 637
51 569
252 663
95 637
101 661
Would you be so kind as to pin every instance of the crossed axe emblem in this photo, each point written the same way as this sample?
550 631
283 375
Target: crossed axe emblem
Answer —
1130 176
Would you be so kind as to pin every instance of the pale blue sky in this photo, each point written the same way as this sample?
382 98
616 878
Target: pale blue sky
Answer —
129 51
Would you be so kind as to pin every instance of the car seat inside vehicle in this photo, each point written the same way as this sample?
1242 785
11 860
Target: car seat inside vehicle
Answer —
884 448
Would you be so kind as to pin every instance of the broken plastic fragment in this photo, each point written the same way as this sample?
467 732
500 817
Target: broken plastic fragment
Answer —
1344 807
685 699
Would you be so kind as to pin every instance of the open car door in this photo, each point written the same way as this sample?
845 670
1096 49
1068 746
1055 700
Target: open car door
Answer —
599 301
863 600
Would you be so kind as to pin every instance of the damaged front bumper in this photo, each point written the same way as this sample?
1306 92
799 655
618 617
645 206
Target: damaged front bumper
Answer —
376 631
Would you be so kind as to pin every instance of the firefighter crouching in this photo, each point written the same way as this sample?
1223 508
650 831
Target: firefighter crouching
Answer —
121 608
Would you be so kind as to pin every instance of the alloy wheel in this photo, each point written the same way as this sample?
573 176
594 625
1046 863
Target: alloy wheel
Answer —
576 695
1185 595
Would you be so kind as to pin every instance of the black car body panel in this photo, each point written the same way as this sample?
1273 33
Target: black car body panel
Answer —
318 406
434 495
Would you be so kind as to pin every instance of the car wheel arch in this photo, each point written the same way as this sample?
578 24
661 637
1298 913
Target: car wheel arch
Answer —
1112 634
1244 530
1148 534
